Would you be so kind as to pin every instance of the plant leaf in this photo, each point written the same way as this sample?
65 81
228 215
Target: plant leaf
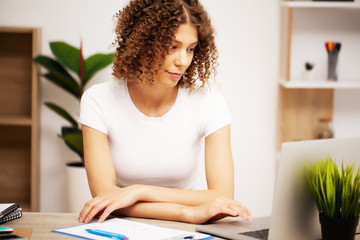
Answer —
51 65
73 90
73 139
63 113
330 191
336 193
81 63
58 75
95 63
67 55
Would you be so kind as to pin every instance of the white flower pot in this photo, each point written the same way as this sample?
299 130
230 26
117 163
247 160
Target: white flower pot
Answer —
78 192
308 76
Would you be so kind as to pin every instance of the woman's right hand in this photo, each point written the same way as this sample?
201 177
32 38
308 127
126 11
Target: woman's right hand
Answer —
217 209
108 202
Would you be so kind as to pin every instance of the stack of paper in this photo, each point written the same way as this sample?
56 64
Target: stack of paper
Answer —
131 229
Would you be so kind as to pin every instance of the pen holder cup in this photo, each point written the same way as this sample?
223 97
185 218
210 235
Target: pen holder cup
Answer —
332 65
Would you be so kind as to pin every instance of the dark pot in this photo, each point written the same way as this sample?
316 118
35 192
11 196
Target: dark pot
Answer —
75 164
333 0
338 228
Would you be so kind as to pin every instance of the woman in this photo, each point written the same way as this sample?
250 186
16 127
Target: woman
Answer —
144 132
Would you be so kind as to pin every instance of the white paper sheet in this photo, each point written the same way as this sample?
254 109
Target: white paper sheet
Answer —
132 229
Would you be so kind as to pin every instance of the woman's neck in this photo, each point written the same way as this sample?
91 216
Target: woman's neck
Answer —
152 100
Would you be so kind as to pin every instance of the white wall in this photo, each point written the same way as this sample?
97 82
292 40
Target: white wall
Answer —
247 39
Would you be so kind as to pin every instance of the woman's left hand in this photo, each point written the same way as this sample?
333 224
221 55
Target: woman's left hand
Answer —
216 209
108 202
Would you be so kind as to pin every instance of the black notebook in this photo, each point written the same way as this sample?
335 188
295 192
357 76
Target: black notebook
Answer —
9 211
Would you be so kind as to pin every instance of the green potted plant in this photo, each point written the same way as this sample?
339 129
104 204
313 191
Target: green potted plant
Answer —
309 66
71 72
337 196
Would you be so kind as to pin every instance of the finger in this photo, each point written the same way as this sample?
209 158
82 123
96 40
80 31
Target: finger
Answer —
230 211
223 209
232 202
222 213
107 211
217 217
96 207
87 209
242 212
240 207
243 208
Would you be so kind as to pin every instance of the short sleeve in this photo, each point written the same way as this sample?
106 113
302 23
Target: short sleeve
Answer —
91 113
218 115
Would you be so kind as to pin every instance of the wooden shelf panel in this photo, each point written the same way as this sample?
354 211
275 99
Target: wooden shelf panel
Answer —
328 4
300 111
15 73
15 174
15 161
15 120
22 30
320 84
14 136
18 116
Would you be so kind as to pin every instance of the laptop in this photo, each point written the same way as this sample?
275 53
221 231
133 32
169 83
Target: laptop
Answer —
294 213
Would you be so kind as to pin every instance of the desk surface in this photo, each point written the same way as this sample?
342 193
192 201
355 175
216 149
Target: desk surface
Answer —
42 224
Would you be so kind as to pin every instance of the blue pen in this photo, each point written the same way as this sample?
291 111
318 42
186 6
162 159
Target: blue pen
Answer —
107 234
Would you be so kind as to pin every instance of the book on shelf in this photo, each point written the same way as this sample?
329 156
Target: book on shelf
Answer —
9 211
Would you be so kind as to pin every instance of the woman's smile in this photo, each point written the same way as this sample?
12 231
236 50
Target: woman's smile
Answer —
174 75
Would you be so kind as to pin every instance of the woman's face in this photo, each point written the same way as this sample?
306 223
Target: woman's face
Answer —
180 56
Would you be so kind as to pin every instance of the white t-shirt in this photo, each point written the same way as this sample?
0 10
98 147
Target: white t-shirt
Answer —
161 151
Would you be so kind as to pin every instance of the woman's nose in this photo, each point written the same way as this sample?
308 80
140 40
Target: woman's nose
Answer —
181 58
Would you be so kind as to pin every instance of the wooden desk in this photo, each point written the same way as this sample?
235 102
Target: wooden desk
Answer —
42 224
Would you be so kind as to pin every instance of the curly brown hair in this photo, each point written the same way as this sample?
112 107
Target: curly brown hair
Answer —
145 30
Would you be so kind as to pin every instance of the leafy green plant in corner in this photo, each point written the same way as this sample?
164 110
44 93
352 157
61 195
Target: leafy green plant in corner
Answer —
336 191
68 59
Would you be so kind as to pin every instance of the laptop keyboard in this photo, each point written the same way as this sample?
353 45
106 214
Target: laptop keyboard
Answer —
259 234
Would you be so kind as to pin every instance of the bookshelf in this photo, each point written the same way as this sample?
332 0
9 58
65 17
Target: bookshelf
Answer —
302 103
325 4
19 117
320 84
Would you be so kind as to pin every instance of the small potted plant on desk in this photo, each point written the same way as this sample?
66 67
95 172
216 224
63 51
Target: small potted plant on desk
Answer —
72 73
337 197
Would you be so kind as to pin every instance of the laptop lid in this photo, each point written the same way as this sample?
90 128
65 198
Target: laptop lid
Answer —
294 214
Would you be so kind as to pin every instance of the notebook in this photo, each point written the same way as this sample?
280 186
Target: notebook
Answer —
6 208
294 216
11 216
9 211
132 229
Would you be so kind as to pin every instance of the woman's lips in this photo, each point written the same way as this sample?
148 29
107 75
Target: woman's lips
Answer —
175 75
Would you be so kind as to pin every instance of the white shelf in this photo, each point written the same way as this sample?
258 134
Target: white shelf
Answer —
320 84
311 4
